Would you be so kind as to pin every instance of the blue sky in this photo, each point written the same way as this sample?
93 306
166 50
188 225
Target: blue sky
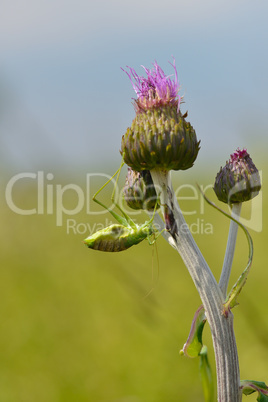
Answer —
65 102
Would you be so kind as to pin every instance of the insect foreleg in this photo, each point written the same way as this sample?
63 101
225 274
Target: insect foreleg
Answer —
151 242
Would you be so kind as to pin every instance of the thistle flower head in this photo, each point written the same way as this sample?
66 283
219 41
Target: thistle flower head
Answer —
159 136
155 90
238 180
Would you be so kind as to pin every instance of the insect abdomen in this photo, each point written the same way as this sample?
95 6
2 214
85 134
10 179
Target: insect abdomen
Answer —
115 238
109 245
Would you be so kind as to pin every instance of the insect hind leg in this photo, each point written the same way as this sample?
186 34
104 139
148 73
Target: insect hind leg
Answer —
125 220
111 178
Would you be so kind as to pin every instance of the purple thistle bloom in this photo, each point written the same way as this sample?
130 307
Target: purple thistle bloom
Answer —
238 155
156 90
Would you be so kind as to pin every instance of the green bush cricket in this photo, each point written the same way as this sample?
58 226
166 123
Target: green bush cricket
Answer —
125 234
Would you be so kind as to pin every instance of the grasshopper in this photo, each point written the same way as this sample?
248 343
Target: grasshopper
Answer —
125 234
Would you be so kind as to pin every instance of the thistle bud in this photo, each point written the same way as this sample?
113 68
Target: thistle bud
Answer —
139 191
238 180
159 137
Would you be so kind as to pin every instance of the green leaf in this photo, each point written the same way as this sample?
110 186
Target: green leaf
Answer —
194 344
231 300
206 376
194 348
262 397
248 387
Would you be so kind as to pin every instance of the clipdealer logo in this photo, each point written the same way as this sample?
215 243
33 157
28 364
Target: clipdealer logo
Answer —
50 197
50 201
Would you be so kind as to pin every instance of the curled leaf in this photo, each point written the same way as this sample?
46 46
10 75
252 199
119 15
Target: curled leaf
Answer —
248 387
194 344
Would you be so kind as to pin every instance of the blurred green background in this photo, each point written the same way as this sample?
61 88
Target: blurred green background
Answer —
80 325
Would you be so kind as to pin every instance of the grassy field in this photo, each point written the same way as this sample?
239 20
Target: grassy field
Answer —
79 325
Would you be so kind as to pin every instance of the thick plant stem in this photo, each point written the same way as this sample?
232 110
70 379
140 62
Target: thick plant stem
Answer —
230 249
227 366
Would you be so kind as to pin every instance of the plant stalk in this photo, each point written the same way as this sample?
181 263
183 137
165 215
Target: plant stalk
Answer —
230 249
227 365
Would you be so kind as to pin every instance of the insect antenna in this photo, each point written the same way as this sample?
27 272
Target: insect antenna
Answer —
154 280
